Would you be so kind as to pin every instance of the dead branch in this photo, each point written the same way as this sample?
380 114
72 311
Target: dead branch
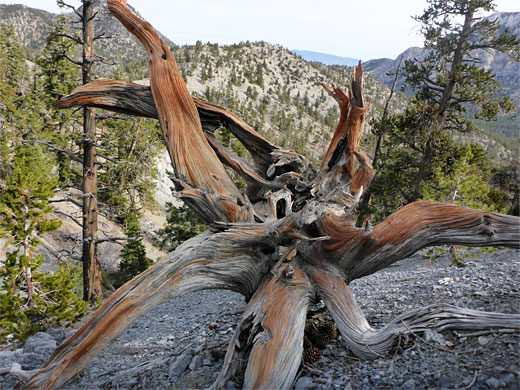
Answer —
368 343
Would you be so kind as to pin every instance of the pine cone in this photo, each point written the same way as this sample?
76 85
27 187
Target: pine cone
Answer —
321 335
311 354
328 332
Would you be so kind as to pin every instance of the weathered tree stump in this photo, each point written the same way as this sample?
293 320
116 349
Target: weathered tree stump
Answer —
288 206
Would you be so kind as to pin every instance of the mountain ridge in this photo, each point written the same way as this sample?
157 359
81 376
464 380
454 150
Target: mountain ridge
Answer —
324 58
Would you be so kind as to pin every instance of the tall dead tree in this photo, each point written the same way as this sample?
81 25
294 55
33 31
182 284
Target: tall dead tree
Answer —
91 267
288 205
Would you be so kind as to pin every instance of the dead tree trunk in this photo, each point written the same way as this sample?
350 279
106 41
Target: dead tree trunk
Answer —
288 204
91 267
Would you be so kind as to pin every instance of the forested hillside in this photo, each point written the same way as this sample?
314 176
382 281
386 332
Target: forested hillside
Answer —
268 86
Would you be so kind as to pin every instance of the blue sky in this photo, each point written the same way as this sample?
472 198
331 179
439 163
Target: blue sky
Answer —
358 29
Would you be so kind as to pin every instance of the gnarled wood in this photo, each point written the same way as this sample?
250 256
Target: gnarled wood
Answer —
358 253
192 158
270 334
232 260
369 343
135 99
309 211
338 184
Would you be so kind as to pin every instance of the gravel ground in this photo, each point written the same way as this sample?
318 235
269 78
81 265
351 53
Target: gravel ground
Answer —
172 347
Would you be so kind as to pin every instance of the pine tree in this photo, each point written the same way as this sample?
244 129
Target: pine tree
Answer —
13 85
416 144
134 259
128 170
259 75
57 76
465 181
182 224
450 77
31 300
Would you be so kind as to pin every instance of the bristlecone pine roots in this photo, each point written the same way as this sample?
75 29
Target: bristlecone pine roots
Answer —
288 204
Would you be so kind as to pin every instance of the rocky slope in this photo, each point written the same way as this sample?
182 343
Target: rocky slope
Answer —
31 25
173 347
275 90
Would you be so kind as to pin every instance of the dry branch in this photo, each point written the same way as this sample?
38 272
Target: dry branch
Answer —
193 160
369 343
136 99
409 229
269 335
228 260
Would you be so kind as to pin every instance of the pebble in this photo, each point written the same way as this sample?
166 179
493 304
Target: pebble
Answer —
431 335
305 382
409 384
195 363
180 364
493 383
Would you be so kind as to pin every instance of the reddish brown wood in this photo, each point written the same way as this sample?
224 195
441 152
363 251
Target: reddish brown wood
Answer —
137 99
306 213
411 228
192 158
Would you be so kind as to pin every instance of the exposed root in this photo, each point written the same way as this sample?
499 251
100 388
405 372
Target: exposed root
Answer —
369 343
270 334
204 262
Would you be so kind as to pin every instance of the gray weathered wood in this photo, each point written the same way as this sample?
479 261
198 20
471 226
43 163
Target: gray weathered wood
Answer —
289 208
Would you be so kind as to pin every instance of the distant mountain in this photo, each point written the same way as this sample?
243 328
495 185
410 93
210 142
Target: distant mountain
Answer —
32 26
383 69
327 59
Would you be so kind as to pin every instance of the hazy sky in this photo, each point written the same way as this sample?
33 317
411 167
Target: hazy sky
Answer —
362 29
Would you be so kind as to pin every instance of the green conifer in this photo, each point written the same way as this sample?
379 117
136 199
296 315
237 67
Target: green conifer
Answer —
182 224
134 259
31 300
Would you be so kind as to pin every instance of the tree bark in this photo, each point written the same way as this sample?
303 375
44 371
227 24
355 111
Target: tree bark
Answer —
195 164
91 268
289 206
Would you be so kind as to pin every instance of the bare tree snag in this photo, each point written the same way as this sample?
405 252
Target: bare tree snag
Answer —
289 208
91 267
